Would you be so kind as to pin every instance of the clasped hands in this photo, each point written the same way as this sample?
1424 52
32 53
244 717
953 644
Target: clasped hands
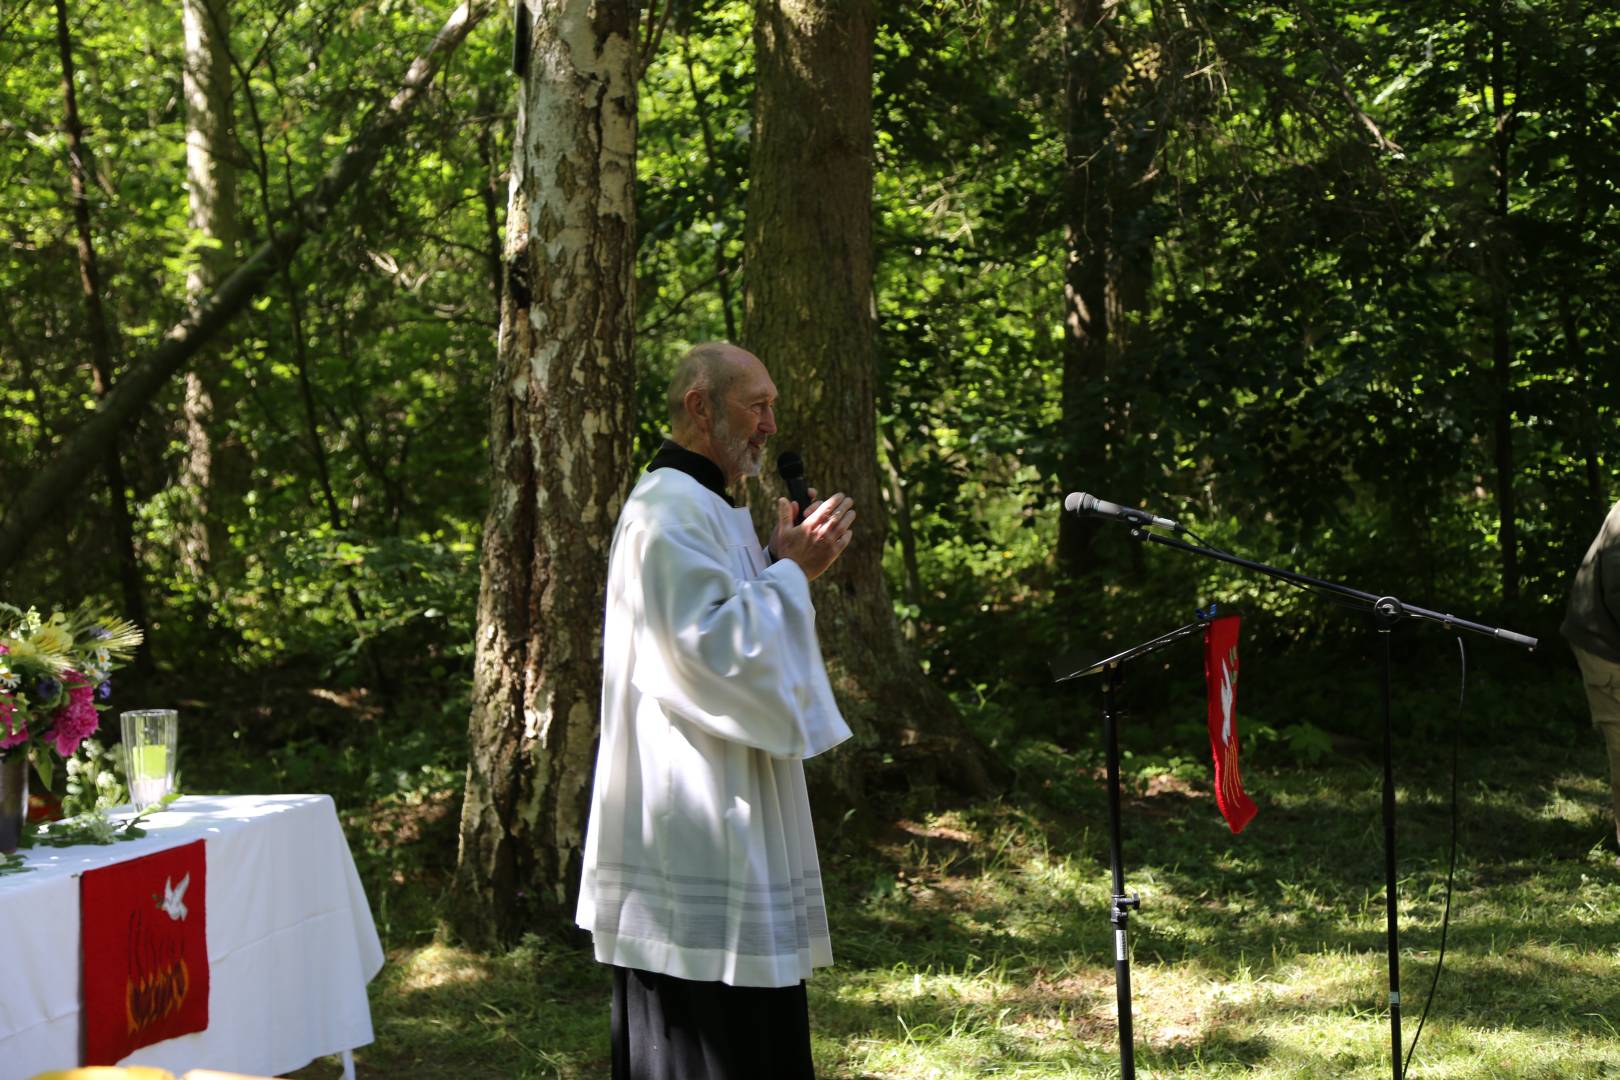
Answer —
816 543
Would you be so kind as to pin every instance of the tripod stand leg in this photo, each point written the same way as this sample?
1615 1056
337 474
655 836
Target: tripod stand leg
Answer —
1119 911
1391 901
1119 915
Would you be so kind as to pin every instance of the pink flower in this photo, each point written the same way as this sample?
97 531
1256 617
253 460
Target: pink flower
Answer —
13 731
78 719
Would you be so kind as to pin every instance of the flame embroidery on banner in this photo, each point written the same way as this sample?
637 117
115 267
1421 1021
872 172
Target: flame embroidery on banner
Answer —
1231 778
143 932
159 978
152 997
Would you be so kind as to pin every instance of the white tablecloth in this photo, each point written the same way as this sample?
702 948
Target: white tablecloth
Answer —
291 943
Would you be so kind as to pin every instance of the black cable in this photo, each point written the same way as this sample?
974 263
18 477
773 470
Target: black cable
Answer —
1451 871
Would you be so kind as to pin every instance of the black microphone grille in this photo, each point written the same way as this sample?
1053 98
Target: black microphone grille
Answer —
790 465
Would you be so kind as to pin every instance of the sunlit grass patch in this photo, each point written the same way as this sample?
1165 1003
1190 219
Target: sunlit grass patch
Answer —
986 950
439 1010
974 940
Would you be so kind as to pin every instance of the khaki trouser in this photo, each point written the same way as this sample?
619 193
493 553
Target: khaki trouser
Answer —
1602 678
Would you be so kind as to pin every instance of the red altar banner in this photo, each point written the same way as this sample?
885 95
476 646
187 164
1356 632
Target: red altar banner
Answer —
1221 679
143 930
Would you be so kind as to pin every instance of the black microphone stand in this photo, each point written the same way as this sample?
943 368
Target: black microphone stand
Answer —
1119 909
1386 612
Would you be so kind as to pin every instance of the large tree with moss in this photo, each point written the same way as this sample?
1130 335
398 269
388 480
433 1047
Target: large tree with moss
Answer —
808 313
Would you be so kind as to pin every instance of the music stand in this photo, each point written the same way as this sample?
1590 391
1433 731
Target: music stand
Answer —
1387 612
1121 904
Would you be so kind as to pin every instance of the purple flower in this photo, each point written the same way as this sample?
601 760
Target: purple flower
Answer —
104 691
47 688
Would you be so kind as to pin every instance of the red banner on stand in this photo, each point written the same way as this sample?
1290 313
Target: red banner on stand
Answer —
1221 679
143 930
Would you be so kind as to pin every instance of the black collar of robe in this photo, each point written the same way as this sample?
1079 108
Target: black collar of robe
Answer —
672 455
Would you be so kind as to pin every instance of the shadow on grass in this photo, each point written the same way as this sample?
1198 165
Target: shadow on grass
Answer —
986 929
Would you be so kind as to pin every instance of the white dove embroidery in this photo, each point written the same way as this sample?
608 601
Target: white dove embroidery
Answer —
1228 692
174 898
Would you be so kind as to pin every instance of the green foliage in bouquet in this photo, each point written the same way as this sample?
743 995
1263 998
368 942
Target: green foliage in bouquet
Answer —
95 780
53 672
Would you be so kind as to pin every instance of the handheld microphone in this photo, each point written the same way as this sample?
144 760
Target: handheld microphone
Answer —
1078 502
791 466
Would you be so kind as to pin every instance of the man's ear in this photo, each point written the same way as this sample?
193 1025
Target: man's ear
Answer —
696 401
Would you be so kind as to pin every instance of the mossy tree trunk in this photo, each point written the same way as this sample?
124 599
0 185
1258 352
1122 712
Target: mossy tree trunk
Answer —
808 314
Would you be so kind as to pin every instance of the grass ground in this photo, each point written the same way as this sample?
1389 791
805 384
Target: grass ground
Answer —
973 940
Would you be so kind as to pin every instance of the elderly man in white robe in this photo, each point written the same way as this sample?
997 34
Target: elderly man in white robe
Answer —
701 885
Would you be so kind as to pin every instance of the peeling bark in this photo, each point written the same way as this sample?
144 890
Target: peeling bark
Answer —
561 419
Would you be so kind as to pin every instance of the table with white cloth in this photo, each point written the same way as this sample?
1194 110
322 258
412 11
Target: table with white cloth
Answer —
291 942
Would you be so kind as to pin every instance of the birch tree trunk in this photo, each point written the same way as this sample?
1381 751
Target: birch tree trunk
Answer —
560 427
211 192
808 314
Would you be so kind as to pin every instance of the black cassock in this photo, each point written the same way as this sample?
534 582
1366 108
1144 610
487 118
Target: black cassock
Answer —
666 1028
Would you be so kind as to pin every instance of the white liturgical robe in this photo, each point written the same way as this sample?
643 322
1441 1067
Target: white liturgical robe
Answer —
700 861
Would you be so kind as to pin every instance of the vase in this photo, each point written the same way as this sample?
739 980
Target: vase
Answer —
13 800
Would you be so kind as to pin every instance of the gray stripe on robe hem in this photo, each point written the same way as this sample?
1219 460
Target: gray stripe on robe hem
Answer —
642 917
648 906
630 868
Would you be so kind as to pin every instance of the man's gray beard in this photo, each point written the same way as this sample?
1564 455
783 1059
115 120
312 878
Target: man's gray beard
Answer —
741 459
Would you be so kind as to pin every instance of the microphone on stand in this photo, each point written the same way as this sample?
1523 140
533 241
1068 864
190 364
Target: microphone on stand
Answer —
1078 502
791 467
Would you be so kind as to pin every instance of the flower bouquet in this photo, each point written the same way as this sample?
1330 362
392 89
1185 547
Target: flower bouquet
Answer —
53 672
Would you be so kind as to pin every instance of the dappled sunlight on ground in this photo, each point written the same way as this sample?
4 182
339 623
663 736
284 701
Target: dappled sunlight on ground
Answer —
976 941
438 966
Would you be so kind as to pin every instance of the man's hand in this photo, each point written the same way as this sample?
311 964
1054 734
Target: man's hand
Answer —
817 543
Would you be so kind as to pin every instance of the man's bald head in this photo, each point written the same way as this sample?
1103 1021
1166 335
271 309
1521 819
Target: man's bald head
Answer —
710 369
721 405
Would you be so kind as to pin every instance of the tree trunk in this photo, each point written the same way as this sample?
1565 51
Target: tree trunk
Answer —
561 418
100 340
714 182
211 191
489 192
808 314
1579 265
1499 292
900 504
1088 153
143 378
